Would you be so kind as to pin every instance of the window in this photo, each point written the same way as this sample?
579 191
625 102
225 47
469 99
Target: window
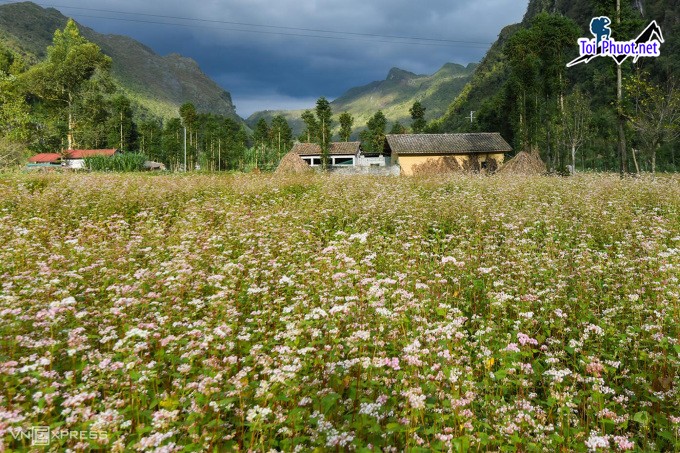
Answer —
308 160
343 161
316 161
375 165
484 165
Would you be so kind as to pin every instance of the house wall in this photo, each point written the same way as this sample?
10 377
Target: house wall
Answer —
75 163
381 161
407 163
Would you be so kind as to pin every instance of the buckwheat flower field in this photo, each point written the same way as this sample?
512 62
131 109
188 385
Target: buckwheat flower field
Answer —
263 313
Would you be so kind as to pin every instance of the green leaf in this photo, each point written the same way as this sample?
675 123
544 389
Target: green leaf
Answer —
642 418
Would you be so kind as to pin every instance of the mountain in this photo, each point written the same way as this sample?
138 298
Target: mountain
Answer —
492 73
159 84
394 96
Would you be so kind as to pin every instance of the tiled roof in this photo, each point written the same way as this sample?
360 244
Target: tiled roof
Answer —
82 153
44 158
447 143
337 149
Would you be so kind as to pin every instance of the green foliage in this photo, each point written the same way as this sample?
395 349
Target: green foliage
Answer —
324 120
127 162
398 128
346 122
458 314
654 113
281 135
311 132
59 81
417 112
373 137
121 128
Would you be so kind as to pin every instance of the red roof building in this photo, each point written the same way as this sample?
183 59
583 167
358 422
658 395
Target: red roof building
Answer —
83 153
45 158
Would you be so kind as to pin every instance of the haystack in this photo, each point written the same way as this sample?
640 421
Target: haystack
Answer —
524 163
293 163
442 165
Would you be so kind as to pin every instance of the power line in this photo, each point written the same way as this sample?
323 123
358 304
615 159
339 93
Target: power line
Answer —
422 41
262 32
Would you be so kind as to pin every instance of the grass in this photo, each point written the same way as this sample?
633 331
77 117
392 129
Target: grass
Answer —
257 312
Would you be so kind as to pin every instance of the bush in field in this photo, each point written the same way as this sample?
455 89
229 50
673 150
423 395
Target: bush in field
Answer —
117 163
315 312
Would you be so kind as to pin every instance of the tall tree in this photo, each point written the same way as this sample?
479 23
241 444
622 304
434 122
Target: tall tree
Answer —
122 130
626 25
323 118
575 123
260 140
71 62
537 60
656 113
311 132
373 137
346 123
281 135
417 112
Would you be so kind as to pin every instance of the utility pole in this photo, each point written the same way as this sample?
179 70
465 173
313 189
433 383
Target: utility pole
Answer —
623 168
219 154
185 149
472 115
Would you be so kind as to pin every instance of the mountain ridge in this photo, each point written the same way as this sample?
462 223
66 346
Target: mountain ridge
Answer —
394 95
159 84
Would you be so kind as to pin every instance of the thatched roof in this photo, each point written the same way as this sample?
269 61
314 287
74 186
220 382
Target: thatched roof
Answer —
524 163
293 163
336 149
478 143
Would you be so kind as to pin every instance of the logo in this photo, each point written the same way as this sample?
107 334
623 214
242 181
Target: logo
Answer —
647 44
42 436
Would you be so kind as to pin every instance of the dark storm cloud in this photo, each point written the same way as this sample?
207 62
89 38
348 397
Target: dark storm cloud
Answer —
270 68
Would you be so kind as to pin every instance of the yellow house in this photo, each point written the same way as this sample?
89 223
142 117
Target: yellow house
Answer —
420 154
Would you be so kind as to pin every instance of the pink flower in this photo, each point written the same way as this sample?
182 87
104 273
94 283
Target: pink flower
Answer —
512 347
392 363
525 339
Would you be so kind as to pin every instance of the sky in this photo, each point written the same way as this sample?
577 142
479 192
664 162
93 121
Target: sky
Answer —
284 54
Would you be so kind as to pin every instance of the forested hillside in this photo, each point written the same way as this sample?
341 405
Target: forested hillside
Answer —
523 89
69 99
393 96
154 84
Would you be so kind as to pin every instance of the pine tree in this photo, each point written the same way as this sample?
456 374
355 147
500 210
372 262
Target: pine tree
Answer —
346 123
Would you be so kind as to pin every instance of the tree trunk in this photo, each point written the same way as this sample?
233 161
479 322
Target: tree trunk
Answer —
623 169
69 135
573 158
654 159
637 167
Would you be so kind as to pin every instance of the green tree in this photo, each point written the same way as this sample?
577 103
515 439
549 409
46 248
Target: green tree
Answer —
324 121
537 58
373 137
311 132
260 140
655 114
150 139
575 123
59 81
122 130
281 135
173 140
397 128
417 112
346 123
